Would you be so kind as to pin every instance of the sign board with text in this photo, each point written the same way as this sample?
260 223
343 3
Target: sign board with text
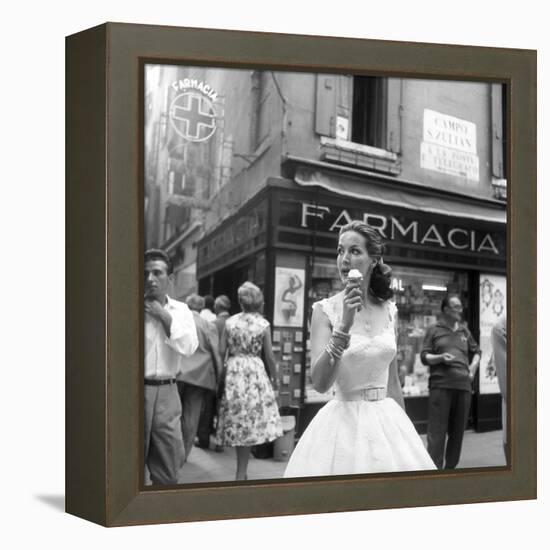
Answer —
399 228
449 146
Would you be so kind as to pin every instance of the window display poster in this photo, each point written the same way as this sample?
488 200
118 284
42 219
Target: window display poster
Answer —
492 305
289 297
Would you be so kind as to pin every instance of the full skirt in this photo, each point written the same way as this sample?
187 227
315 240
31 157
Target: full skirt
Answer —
248 413
353 437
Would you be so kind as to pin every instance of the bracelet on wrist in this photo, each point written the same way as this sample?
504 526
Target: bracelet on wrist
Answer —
343 336
332 357
335 351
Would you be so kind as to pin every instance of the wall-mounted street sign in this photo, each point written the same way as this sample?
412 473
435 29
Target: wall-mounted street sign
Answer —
449 146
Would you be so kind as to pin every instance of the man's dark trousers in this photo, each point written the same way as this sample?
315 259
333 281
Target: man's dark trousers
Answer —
206 421
448 411
192 398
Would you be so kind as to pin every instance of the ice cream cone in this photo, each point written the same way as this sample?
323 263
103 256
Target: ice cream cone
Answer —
355 276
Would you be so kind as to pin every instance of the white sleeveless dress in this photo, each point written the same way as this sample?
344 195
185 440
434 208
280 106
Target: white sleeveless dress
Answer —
350 434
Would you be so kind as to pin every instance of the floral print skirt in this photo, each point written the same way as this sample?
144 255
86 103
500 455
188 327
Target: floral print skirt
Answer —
248 413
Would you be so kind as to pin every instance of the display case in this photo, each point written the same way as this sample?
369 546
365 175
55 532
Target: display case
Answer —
325 282
418 293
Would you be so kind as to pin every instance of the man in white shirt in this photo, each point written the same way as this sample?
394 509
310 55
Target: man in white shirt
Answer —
170 334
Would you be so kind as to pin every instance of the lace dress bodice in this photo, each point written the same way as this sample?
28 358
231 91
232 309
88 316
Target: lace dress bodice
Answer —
366 362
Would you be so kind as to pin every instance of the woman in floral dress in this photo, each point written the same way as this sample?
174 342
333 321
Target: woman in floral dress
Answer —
248 414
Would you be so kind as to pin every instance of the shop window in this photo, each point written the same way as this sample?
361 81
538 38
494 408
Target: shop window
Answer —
325 282
418 293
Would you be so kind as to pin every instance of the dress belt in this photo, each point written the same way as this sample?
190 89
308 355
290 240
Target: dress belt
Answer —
159 382
364 394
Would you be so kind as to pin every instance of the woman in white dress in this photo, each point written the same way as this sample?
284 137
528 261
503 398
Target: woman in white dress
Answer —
364 429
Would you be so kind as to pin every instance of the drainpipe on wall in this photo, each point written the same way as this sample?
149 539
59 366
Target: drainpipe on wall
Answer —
284 108
400 114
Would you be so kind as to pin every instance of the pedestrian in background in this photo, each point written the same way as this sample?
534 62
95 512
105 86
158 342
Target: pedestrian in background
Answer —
447 348
200 375
498 337
248 414
170 334
207 312
222 305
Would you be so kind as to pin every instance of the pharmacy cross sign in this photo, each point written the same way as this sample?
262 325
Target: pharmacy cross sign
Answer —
192 116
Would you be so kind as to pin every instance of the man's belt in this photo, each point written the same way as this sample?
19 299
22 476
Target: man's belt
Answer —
159 382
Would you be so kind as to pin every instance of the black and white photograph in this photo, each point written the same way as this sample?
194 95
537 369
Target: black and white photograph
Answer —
324 274
234 142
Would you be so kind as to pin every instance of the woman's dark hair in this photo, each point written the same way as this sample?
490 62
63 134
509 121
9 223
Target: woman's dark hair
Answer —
209 302
380 279
446 302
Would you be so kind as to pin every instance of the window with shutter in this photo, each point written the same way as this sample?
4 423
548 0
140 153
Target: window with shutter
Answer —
325 105
351 117
368 125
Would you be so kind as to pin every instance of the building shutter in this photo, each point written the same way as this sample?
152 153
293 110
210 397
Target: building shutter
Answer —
497 130
325 105
394 114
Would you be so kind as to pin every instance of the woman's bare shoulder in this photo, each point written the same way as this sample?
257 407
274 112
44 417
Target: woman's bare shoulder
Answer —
331 307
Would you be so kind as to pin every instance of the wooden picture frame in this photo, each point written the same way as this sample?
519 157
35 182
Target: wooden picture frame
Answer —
104 263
